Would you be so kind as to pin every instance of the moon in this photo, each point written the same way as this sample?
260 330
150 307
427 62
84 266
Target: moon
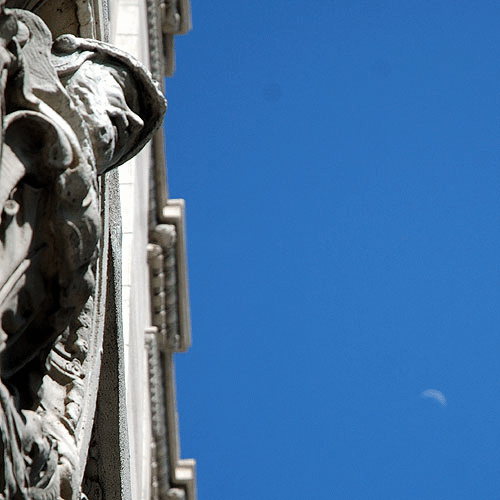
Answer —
434 394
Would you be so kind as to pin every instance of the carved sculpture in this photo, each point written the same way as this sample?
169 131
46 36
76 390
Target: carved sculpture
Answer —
70 110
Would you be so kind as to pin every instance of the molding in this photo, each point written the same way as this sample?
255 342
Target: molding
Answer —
166 18
174 213
175 20
159 449
164 303
175 16
171 333
185 474
169 283
86 18
100 20
172 477
156 51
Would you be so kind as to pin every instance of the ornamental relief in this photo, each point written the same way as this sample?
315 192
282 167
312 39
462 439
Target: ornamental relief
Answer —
71 110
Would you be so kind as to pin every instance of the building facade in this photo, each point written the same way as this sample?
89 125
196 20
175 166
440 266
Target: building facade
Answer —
104 403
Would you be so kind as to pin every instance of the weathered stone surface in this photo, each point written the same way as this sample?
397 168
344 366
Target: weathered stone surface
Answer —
70 111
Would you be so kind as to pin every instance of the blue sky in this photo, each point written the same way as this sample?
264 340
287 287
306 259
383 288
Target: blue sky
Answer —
340 161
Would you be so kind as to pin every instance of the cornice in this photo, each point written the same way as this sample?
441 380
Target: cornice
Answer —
168 277
170 333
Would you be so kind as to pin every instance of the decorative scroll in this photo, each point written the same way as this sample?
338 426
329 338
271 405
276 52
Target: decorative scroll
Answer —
70 110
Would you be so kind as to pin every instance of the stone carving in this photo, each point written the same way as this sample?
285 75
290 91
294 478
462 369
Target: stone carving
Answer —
70 110
163 278
170 16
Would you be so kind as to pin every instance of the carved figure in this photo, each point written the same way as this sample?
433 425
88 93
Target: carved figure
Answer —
114 94
69 111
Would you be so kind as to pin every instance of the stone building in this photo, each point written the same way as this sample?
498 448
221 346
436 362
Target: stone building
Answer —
119 399
153 228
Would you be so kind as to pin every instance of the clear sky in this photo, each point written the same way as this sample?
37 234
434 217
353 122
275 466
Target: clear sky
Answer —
340 161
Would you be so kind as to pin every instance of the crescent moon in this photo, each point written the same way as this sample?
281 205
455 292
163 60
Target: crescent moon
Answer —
434 394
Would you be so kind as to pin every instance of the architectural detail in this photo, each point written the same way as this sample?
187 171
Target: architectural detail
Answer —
78 18
173 215
175 20
71 110
170 307
171 333
163 282
170 474
155 299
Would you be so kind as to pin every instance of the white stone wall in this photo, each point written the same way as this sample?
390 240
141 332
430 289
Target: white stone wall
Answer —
128 27
128 31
